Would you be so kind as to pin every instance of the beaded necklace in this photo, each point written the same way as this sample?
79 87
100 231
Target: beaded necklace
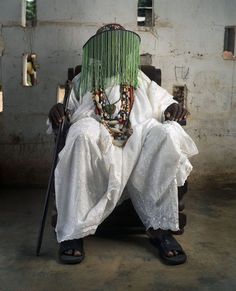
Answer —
119 125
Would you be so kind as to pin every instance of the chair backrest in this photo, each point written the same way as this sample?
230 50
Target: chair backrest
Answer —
152 73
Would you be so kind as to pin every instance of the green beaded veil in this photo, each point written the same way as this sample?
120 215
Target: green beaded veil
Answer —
110 57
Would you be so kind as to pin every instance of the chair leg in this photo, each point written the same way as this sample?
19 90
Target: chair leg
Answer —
182 217
182 190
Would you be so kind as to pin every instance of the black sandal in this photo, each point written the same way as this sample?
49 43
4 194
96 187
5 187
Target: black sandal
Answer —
74 245
167 243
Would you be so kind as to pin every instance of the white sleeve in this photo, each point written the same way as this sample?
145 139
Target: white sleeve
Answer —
158 97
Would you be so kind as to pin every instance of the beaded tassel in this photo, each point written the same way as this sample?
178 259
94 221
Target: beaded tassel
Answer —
110 58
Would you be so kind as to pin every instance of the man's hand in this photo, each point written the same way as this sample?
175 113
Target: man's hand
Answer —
56 114
176 112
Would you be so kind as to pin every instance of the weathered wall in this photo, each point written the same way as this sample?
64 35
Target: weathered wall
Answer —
191 35
186 43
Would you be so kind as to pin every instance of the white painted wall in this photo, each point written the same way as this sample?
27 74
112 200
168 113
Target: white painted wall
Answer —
188 34
191 35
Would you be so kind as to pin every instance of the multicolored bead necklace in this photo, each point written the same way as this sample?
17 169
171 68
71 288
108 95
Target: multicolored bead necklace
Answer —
119 125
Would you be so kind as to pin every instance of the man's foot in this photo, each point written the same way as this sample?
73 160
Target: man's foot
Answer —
170 250
71 251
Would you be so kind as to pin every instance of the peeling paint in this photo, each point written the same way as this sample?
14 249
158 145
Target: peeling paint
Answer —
146 59
181 73
163 23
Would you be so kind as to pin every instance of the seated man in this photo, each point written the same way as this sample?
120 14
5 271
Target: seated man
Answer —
123 133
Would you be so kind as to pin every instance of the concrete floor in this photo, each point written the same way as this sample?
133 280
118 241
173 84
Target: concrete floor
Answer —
121 263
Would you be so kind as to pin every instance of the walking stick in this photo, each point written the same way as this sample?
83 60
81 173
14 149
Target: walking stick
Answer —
68 87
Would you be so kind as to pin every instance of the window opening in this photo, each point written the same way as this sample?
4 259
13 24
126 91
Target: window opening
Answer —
29 13
60 93
145 13
180 94
29 70
229 43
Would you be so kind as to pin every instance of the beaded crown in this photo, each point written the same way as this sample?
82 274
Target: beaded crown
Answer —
110 57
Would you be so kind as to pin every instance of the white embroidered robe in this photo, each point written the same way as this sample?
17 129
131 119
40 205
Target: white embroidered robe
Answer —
91 173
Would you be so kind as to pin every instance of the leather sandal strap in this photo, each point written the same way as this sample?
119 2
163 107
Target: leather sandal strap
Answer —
168 243
75 244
